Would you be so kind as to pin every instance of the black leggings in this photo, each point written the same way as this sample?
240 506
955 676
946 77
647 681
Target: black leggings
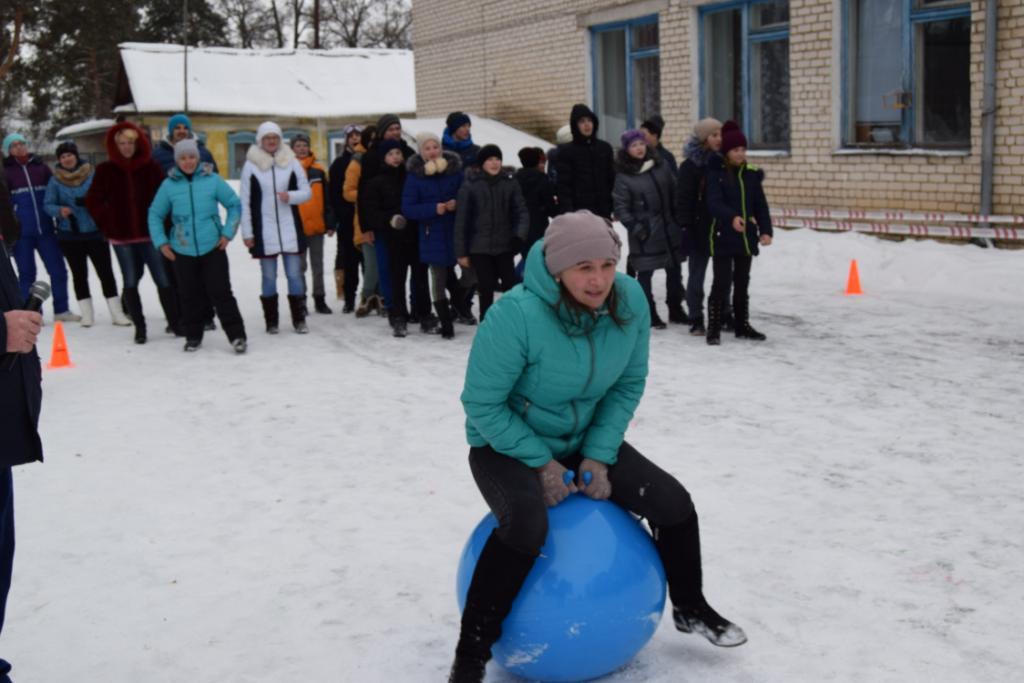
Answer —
513 492
490 269
77 253
728 270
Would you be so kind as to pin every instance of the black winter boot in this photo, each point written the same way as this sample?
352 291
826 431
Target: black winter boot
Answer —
172 310
499 574
444 314
679 548
656 321
297 304
270 313
676 312
399 323
714 333
133 307
463 305
320 304
741 309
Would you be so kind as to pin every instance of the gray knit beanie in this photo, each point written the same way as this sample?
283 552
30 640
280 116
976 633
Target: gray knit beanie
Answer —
186 146
579 236
705 127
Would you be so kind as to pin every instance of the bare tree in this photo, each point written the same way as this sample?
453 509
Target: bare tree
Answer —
8 62
300 21
277 24
391 24
347 21
249 21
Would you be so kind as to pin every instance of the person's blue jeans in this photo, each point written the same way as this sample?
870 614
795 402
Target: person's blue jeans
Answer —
695 286
383 272
135 258
292 273
48 248
6 540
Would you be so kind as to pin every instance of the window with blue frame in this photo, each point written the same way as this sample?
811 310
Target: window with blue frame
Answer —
745 68
238 145
627 75
907 73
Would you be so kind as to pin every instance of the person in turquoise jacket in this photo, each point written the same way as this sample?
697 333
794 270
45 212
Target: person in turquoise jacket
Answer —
192 194
555 374
78 236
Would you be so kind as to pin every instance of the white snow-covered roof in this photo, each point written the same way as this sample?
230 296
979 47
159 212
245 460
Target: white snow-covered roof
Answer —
307 83
484 132
91 126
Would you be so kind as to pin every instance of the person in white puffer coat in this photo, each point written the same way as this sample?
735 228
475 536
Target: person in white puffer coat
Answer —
272 186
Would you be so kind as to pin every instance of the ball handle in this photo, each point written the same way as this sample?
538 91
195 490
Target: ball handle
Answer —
569 476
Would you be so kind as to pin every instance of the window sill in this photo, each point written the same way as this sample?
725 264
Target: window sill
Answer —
913 152
768 153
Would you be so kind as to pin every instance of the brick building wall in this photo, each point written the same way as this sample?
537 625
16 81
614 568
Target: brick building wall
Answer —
527 63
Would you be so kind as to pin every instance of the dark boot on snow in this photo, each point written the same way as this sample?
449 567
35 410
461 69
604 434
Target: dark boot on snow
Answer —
270 313
679 549
320 305
444 314
741 310
499 574
133 307
714 333
297 304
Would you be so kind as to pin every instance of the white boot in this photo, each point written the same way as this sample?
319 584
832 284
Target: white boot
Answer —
67 317
88 318
117 315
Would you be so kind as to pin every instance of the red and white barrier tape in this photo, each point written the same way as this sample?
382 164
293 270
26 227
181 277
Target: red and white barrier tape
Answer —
960 232
887 216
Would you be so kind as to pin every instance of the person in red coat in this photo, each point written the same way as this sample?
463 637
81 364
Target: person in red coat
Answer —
119 199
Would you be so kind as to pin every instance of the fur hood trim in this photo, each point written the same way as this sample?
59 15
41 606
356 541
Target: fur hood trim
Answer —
73 178
417 167
283 157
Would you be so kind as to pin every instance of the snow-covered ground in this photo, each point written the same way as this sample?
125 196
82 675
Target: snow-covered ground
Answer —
297 513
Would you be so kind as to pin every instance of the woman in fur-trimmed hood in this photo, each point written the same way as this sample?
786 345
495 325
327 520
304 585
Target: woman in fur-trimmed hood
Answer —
644 198
119 198
272 187
429 198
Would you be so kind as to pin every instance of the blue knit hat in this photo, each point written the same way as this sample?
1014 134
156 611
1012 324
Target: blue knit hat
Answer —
176 120
455 121
10 140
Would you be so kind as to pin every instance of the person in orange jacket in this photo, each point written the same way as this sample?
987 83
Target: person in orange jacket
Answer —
370 298
316 219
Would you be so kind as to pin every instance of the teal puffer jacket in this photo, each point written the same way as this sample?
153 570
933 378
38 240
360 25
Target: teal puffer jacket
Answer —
195 215
539 386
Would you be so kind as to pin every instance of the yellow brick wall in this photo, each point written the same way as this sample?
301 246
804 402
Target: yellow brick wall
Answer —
527 63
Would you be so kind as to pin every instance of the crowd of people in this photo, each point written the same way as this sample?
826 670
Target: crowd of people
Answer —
427 231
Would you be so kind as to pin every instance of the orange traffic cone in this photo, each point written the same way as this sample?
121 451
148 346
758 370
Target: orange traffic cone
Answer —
59 358
853 282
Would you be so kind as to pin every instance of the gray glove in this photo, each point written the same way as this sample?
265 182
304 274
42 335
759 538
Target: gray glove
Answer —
599 487
552 483
398 222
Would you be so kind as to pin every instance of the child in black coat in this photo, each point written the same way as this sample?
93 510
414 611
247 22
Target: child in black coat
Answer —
741 223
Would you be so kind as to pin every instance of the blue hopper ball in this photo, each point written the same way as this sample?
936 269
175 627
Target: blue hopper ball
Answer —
592 601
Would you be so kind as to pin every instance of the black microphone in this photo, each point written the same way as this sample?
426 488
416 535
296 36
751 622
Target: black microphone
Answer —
37 294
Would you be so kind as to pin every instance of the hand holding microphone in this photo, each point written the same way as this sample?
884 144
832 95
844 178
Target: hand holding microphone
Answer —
23 326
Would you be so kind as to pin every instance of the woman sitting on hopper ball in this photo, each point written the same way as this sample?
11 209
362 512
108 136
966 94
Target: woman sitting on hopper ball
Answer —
554 376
